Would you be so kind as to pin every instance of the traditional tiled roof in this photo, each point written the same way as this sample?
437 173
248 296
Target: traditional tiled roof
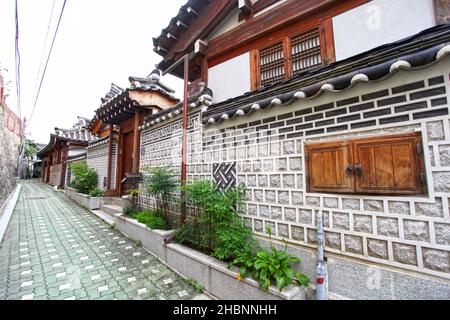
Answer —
418 51
114 91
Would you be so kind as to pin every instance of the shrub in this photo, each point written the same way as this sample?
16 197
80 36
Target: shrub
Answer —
161 184
130 211
152 219
218 229
84 178
97 192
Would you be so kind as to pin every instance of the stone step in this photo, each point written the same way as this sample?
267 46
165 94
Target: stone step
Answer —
110 209
117 201
104 216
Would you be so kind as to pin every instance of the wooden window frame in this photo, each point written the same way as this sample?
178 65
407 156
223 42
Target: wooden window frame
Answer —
418 167
325 27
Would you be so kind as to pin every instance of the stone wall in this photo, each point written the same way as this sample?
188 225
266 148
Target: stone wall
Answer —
264 151
9 157
97 158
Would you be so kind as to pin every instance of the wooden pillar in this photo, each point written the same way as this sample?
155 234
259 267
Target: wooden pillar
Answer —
136 142
442 11
110 149
64 152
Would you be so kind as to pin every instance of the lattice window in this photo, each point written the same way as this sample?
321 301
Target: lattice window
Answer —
305 51
272 64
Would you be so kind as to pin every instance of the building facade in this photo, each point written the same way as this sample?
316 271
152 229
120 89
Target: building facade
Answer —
311 117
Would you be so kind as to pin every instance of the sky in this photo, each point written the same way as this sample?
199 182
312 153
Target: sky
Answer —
98 42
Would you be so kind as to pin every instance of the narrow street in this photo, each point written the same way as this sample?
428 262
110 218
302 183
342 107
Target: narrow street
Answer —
54 249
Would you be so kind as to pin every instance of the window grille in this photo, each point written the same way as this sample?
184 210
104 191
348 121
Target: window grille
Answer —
305 51
272 64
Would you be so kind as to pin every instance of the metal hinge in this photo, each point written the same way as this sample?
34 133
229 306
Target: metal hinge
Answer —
422 177
418 148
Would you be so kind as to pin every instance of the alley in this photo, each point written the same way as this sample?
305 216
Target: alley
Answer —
54 249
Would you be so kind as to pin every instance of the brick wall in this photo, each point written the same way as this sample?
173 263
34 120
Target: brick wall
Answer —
265 152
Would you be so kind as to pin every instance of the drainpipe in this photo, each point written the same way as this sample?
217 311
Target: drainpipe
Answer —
321 290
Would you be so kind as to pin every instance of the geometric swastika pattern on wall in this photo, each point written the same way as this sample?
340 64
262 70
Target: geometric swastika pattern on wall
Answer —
225 174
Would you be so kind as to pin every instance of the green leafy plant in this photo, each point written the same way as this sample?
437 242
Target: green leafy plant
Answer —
97 193
84 178
153 220
161 184
218 229
130 211
198 286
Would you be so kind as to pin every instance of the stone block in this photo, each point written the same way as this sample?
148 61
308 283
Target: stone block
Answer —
295 164
275 149
248 222
300 181
441 181
430 209
305 216
242 153
283 197
362 223
262 181
248 195
270 225
251 180
288 147
330 202
373 205
258 225
297 233
311 236
232 154
290 214
444 155
263 150
275 181
341 221
257 166
442 231
297 198
276 213
432 159
252 209
387 227
435 130
251 152
377 248
353 244
437 260
283 230
398 207
288 181
268 165
333 240
270 196
352 204
264 211
404 253
416 230
247 166
259 195
282 164
313 201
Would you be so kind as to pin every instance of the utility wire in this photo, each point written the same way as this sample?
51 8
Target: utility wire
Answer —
45 46
46 63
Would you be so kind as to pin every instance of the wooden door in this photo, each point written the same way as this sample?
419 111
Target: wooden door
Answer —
127 157
388 165
329 167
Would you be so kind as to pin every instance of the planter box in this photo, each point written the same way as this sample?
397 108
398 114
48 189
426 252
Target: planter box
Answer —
87 201
213 274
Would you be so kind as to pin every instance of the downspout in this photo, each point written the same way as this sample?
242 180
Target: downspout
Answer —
321 290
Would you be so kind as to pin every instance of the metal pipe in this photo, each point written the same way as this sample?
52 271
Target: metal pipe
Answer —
321 290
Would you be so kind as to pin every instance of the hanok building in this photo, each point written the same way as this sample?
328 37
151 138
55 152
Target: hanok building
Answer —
333 106
64 145
123 111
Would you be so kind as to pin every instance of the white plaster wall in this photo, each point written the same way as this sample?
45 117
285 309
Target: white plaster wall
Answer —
230 78
379 22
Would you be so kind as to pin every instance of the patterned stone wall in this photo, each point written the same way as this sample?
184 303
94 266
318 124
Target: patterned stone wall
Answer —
264 151
97 158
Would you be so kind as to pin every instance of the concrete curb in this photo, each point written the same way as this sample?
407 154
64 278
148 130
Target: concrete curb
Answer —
6 217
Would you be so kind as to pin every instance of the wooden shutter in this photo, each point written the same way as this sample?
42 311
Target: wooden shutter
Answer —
327 167
388 165
271 62
306 51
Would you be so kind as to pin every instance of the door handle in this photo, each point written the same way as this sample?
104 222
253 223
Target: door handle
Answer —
358 170
349 169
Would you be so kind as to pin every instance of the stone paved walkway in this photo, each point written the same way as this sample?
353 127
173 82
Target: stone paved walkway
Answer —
54 249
